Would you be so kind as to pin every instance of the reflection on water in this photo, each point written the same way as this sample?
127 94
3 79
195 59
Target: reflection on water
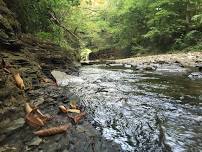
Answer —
143 111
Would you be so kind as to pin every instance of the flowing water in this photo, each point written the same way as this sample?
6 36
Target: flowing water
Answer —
143 111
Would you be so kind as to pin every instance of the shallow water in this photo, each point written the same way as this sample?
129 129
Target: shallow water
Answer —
143 111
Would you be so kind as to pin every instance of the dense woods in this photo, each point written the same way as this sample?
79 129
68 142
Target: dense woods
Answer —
136 26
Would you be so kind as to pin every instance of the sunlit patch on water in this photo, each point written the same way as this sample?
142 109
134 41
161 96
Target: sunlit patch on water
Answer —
143 111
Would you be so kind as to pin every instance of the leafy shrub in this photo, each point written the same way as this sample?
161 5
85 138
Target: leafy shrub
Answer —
192 37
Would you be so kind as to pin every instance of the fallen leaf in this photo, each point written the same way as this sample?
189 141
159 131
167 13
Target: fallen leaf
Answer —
52 131
43 117
33 120
73 110
78 117
28 108
19 81
63 109
46 80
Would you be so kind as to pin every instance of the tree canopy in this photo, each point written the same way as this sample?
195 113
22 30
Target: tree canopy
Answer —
139 26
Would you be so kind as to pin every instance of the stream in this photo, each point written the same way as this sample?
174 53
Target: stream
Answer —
143 110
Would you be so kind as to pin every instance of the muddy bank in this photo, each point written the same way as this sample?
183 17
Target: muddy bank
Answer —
34 60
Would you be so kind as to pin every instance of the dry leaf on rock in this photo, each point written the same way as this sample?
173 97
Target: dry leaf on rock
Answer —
78 117
19 81
63 109
28 108
33 120
52 131
43 117
73 110
46 80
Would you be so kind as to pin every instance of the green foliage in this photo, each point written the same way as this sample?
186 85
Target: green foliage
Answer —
85 54
143 25
133 24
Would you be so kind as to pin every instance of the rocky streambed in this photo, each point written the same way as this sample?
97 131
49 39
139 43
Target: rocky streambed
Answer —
41 91
144 109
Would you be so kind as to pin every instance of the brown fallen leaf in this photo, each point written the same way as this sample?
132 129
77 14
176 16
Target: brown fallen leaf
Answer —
73 110
19 81
63 109
28 108
52 131
33 120
66 110
46 80
43 117
78 117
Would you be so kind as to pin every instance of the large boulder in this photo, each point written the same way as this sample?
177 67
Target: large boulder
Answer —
195 75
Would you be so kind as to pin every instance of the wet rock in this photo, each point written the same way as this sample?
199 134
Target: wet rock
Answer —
38 101
35 141
115 65
64 79
13 125
127 65
199 66
8 148
145 67
195 75
171 68
149 68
